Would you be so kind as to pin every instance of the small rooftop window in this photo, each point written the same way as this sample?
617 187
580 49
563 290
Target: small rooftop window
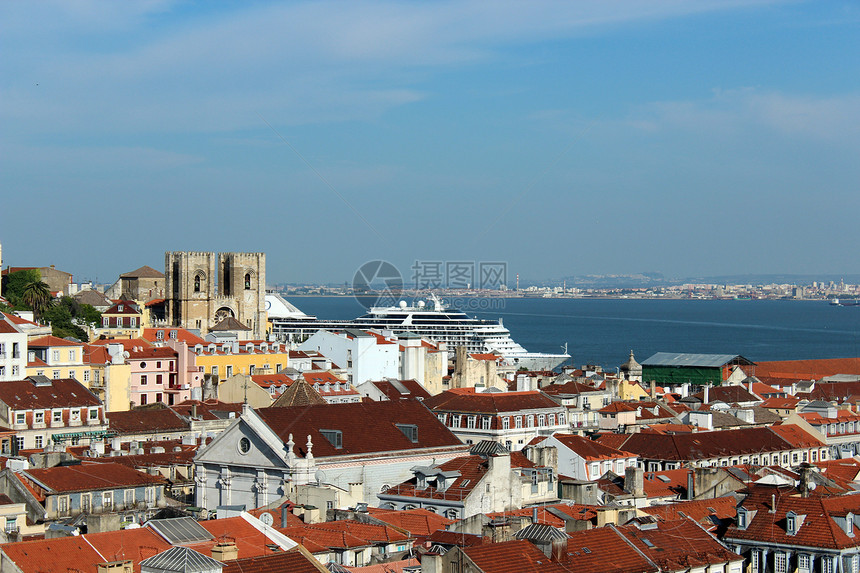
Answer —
335 437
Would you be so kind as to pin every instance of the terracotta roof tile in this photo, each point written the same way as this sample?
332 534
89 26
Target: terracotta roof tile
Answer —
467 400
60 393
366 427
154 420
89 476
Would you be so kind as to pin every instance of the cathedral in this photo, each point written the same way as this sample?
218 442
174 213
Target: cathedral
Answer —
203 290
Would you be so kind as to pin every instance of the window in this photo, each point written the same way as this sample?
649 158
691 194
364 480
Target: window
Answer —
56 374
63 504
506 423
20 418
107 500
214 371
159 335
11 524
158 364
39 417
39 442
335 437
2 371
561 419
470 422
129 497
14 370
826 564
143 399
57 417
541 420
485 423
247 281
94 413
779 562
518 422
86 503
2 350
150 496
86 375
132 321
158 378
229 371
251 371
410 431
73 374
754 561
143 380
443 418
197 283
75 415
55 355
71 355
456 421
19 442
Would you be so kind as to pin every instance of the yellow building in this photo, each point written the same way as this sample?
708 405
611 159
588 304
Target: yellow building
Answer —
222 360
57 358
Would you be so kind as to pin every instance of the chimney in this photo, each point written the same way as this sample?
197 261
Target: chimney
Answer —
706 399
691 485
559 550
194 411
225 551
634 481
285 512
805 478
534 514
653 389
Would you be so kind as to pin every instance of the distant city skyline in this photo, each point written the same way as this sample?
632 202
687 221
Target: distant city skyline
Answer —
686 138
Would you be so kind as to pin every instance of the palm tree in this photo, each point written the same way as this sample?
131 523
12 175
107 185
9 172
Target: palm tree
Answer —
37 295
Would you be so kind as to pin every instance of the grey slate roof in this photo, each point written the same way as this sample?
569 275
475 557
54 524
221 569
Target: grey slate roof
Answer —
180 560
540 532
692 360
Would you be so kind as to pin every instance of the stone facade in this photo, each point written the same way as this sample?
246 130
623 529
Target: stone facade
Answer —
204 288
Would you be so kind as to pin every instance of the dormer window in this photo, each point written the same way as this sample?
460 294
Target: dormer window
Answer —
410 431
793 522
159 335
119 308
173 334
335 437
743 518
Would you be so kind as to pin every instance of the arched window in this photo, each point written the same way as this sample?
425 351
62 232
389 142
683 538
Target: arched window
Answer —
247 281
197 283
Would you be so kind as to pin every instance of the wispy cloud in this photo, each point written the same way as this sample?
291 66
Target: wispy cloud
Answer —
831 118
172 68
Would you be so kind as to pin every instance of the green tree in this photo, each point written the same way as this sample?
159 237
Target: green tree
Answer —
15 283
63 322
37 295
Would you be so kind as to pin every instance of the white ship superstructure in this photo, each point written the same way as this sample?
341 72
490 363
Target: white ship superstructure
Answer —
434 322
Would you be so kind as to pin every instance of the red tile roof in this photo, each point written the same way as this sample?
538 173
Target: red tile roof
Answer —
294 561
706 512
418 522
678 545
60 393
46 341
467 400
589 449
207 409
147 420
85 552
88 476
808 369
519 556
151 334
391 392
366 427
818 529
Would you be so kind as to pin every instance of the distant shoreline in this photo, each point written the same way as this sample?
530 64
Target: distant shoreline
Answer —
461 295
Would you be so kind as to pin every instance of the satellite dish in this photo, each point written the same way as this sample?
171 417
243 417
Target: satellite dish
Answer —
813 485
319 476
267 518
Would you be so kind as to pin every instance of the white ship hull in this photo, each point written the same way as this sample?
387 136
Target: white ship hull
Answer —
438 324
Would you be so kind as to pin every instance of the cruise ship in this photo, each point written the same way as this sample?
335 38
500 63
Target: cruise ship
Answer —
432 321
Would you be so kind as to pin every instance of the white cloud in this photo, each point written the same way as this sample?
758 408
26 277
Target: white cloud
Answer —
164 66
833 118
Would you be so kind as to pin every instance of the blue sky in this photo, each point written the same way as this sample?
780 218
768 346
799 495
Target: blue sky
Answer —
564 138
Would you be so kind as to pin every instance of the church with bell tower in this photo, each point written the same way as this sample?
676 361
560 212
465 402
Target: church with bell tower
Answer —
203 290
